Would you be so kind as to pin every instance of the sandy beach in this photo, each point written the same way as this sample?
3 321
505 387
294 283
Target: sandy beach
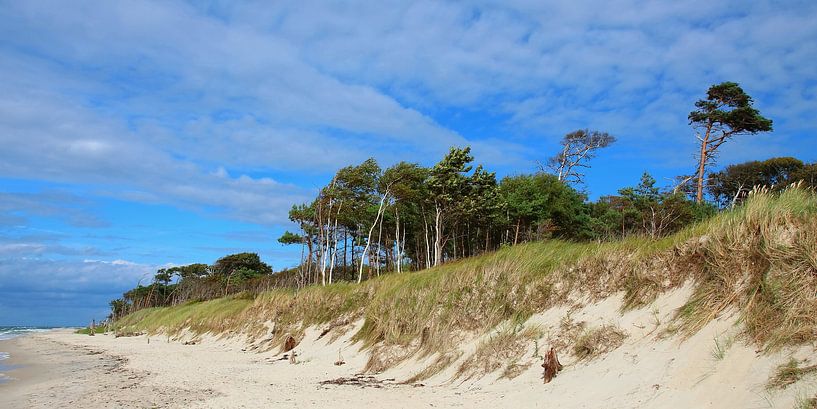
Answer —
64 369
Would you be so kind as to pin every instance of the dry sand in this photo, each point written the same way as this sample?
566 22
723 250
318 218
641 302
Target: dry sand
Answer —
63 369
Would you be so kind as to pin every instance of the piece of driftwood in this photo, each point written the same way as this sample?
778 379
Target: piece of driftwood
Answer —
289 345
551 365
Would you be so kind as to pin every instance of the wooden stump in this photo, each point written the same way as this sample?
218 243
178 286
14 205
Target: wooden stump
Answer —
551 365
290 344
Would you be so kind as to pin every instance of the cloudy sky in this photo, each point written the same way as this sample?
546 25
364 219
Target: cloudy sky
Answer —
141 134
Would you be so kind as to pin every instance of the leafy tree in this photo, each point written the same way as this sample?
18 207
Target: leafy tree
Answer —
243 262
645 209
163 276
540 204
726 112
731 185
578 148
807 174
447 183
408 194
482 207
290 238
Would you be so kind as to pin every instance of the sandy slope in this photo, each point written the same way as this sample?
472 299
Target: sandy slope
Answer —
648 370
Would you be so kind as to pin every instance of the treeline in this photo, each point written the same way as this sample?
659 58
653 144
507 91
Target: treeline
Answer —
231 274
368 220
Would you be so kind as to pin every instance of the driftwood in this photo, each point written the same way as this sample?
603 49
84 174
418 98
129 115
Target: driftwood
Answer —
551 365
290 344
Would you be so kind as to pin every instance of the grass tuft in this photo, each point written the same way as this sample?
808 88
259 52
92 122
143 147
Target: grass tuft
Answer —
789 373
595 342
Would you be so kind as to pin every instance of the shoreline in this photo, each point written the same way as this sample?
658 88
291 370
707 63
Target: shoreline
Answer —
64 369
49 372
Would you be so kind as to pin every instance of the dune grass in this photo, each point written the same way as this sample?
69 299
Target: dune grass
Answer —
789 373
758 260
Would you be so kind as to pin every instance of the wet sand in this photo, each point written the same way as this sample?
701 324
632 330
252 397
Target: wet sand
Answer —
46 373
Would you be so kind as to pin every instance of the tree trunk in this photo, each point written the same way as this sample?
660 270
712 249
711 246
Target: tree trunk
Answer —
398 260
369 239
516 235
438 232
379 248
702 165
428 244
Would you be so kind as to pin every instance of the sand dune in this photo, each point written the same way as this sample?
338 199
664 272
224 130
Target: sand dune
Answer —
650 369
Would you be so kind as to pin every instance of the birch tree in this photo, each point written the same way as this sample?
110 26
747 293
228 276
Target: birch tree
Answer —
448 183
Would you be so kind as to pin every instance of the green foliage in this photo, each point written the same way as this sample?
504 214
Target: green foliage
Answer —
733 184
99 329
807 175
645 209
196 270
241 263
728 110
290 238
447 181
539 205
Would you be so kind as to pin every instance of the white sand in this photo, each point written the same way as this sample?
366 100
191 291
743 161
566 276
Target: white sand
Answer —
645 371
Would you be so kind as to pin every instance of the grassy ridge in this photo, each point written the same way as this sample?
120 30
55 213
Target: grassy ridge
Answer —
760 260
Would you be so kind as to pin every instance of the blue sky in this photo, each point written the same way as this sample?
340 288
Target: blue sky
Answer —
142 134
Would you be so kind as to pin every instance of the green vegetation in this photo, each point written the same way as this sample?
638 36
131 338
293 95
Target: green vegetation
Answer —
757 259
722 345
789 373
99 329
594 342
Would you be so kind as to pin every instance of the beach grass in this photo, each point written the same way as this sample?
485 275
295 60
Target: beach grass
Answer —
758 260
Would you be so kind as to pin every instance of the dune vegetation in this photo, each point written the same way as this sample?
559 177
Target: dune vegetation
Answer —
758 260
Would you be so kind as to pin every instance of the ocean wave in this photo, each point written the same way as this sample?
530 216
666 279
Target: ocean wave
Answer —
4 355
12 332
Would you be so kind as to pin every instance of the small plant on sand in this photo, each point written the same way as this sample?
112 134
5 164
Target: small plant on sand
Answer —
721 346
598 341
504 348
789 373
803 402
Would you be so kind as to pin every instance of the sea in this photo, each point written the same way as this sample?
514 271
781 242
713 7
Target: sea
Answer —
15 331
10 332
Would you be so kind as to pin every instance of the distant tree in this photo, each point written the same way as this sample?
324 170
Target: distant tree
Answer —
659 213
481 210
290 238
732 185
408 193
242 261
448 184
539 205
163 276
196 270
726 112
119 307
807 174
578 148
